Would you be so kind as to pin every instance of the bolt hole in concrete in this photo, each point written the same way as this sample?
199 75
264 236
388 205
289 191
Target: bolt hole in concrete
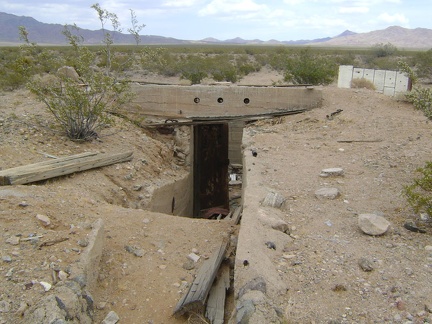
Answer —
196 100
246 101
220 100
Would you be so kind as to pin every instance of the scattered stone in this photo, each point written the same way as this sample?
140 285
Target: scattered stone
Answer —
193 257
62 275
327 193
400 305
412 226
137 187
83 242
162 266
424 217
274 199
428 307
257 283
365 264
4 306
46 286
13 240
7 258
10 273
44 220
111 318
373 224
23 204
244 311
339 288
275 223
189 265
135 251
428 247
271 245
101 305
146 220
332 172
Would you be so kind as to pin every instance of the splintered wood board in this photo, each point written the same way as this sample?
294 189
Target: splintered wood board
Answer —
59 167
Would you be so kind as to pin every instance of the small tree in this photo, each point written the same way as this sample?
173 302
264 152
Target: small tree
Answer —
307 68
82 104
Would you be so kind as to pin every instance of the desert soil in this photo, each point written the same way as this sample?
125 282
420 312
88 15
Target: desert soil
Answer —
318 262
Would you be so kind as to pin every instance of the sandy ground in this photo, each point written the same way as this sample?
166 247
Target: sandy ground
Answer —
316 266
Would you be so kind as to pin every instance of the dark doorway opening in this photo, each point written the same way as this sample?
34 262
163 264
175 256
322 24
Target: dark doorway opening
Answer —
210 168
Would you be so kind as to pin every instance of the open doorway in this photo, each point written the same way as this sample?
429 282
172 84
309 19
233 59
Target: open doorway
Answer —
210 167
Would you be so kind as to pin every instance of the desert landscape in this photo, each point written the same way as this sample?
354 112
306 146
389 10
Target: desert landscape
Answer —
322 269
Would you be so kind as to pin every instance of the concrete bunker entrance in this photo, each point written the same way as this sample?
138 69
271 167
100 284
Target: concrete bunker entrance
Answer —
216 116
213 185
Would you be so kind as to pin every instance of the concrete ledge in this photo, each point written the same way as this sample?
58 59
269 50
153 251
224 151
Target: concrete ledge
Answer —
85 272
257 283
71 301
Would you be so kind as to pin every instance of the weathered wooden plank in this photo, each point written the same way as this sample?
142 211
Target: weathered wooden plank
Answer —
215 310
194 300
236 215
58 167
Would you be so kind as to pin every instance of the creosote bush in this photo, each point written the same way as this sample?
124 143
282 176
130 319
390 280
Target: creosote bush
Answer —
419 193
82 96
309 68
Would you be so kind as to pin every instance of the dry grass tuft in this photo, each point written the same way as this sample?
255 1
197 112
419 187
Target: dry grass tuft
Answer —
362 84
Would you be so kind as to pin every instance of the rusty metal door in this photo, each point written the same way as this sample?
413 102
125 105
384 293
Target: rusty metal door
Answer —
210 167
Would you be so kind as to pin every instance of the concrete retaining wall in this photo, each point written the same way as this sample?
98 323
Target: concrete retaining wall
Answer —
220 101
388 82
175 198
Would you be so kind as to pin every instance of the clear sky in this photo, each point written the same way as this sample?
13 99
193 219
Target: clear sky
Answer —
282 20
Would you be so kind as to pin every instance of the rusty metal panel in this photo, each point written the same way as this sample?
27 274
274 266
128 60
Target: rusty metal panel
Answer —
210 167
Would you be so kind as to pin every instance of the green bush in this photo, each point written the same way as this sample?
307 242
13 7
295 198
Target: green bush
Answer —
419 193
423 64
420 97
383 50
309 68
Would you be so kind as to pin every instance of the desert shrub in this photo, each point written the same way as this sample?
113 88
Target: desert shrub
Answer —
81 101
423 64
309 68
362 84
419 193
193 68
19 64
383 50
420 97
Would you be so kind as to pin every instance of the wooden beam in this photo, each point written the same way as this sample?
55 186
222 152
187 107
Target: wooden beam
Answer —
237 214
195 298
59 167
215 310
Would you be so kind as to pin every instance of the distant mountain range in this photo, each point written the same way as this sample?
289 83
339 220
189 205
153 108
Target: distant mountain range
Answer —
43 33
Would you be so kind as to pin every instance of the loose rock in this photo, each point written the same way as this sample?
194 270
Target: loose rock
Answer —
111 318
327 193
13 240
44 220
366 265
373 224
335 172
273 199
